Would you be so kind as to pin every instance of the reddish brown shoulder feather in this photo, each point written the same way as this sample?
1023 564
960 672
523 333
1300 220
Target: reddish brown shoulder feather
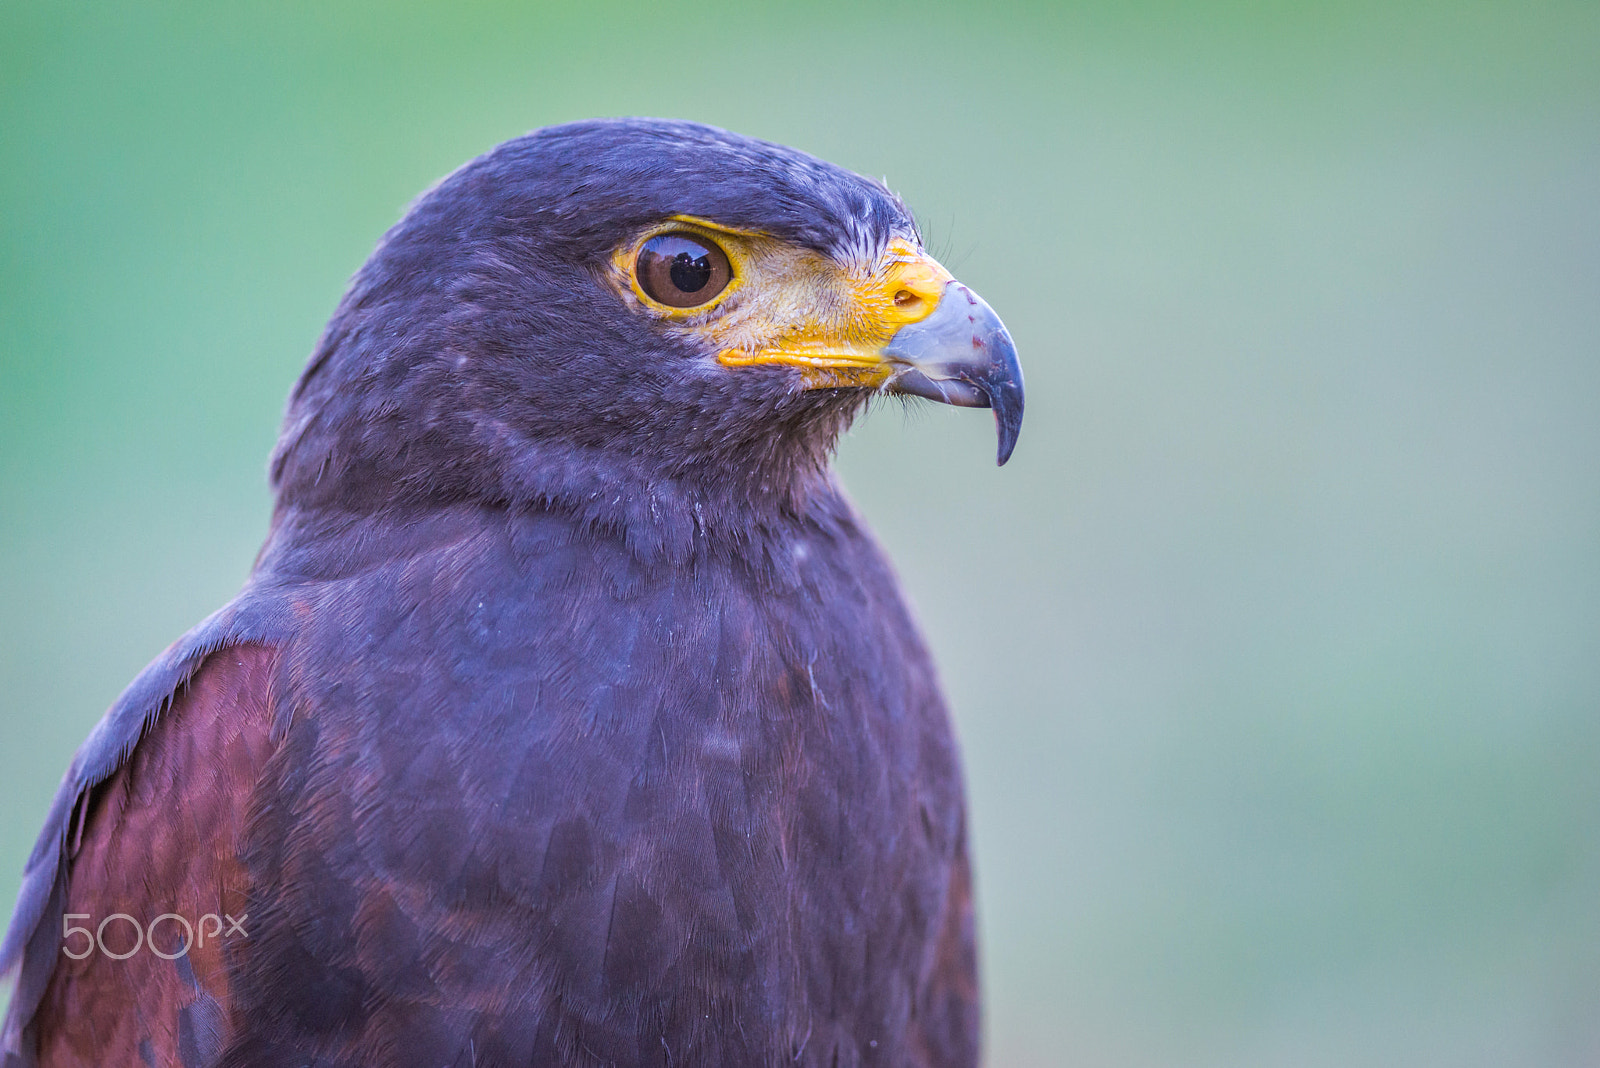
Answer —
948 1014
161 839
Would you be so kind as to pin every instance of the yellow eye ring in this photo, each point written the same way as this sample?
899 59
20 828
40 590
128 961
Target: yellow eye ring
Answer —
722 242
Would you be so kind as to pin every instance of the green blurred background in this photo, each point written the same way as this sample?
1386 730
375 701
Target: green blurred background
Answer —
1275 650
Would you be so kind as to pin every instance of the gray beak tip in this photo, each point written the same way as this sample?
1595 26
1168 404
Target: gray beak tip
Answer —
963 355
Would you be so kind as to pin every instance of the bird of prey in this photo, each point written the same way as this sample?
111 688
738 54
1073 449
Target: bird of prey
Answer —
570 715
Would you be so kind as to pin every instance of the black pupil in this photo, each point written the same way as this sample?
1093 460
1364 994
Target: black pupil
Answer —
690 273
682 271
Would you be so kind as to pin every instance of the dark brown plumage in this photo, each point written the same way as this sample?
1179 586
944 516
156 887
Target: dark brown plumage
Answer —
163 835
570 715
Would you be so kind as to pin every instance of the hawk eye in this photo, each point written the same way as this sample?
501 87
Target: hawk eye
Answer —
682 270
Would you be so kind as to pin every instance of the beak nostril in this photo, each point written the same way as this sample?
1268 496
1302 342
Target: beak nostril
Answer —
905 298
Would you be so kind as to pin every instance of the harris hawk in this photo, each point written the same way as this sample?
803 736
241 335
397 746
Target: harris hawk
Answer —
570 715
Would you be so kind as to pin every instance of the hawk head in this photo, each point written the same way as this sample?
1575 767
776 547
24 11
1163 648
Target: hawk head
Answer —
655 313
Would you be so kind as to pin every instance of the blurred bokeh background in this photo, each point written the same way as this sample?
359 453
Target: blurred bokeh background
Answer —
1275 650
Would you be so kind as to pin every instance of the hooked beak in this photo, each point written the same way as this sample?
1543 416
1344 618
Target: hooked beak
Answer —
963 355
905 326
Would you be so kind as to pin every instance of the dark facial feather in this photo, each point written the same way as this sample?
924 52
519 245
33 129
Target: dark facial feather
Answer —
479 355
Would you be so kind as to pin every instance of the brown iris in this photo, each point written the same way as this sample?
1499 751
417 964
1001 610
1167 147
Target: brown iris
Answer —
682 270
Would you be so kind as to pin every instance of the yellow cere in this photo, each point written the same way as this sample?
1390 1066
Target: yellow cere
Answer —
792 306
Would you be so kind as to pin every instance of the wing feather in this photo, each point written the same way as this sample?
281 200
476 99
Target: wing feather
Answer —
83 818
